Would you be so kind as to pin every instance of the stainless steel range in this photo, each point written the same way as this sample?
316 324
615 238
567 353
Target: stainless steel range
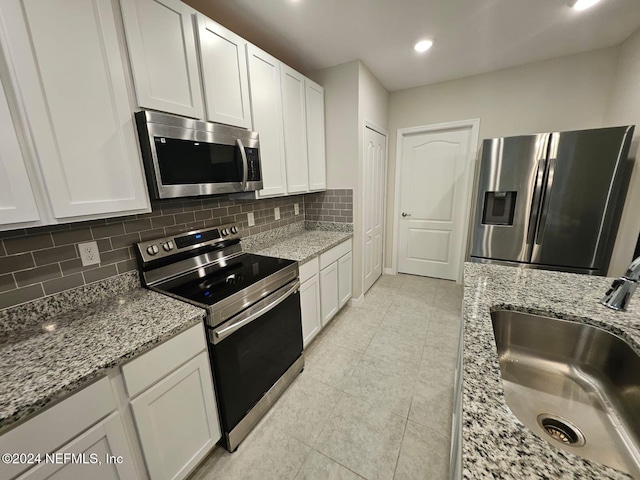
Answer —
253 319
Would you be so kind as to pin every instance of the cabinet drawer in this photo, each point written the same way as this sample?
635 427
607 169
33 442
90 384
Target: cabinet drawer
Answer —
146 370
308 269
327 258
54 427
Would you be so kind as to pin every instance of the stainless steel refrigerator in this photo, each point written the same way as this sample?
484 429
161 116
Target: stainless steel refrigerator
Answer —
551 200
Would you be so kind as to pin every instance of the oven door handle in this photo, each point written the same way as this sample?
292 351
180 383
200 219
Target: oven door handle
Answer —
219 335
245 164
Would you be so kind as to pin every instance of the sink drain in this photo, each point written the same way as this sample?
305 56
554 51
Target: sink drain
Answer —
561 430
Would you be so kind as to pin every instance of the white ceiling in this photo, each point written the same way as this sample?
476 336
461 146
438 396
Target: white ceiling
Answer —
471 36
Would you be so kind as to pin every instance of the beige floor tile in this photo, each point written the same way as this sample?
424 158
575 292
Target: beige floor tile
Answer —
303 409
385 384
390 281
434 410
424 455
319 467
331 364
353 330
414 324
396 346
363 438
412 305
267 453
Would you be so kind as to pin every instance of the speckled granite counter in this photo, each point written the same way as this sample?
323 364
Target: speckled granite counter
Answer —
297 243
494 442
53 353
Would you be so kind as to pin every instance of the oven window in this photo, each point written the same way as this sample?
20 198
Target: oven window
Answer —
185 162
247 363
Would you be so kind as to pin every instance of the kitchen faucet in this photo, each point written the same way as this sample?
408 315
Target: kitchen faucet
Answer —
621 291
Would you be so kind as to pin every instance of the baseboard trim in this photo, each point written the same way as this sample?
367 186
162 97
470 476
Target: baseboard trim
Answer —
390 271
356 302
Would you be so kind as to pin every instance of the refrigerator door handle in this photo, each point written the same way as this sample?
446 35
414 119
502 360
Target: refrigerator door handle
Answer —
545 205
535 201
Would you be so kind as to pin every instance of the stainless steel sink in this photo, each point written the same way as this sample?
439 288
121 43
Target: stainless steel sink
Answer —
575 385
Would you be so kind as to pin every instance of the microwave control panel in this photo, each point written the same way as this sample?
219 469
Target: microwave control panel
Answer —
253 162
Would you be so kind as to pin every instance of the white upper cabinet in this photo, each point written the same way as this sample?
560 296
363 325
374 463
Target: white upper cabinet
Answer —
17 202
266 114
295 130
224 74
314 96
164 59
72 81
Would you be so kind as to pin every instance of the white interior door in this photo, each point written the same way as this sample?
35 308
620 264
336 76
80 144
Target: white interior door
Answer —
375 147
433 202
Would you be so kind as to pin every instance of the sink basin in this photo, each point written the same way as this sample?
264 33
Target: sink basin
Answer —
574 385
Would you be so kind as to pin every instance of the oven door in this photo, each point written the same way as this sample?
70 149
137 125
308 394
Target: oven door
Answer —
251 351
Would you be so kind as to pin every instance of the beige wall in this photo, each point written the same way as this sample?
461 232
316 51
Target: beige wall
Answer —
560 94
353 96
624 108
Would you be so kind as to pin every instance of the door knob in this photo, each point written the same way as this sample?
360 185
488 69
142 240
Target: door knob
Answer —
405 214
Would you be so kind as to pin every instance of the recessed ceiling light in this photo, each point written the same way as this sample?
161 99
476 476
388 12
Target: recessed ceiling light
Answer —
423 45
583 4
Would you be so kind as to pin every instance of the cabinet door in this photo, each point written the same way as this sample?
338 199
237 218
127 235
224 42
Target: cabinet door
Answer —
177 420
17 203
104 443
345 274
266 114
295 130
314 95
164 59
224 74
310 306
71 78
329 292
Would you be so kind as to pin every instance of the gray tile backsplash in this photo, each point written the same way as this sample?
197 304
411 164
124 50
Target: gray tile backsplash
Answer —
330 206
45 260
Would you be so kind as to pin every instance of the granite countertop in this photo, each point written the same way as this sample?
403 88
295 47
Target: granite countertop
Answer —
302 247
494 442
44 362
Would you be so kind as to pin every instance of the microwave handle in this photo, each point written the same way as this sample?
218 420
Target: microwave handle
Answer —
245 164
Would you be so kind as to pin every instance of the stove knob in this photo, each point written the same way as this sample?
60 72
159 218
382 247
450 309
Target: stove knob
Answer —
225 232
152 249
234 229
168 246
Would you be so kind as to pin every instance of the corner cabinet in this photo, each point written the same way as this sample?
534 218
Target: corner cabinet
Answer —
71 80
314 102
266 114
224 74
164 59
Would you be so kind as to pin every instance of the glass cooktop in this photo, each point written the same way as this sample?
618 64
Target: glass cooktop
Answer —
229 278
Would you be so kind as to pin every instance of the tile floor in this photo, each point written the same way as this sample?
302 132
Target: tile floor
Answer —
374 400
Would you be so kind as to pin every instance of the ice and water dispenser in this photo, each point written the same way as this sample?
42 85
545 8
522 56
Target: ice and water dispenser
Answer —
499 208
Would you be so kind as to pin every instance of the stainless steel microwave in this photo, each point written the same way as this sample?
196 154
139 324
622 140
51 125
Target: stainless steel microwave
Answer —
185 157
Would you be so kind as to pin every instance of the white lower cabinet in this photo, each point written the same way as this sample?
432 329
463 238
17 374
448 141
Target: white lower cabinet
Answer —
345 277
105 443
310 306
329 292
170 424
177 420
326 288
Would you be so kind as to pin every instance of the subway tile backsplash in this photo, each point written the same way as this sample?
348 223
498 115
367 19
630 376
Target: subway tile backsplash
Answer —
330 206
45 260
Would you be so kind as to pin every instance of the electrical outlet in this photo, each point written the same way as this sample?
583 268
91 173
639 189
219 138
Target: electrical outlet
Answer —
89 253
276 212
296 209
251 219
